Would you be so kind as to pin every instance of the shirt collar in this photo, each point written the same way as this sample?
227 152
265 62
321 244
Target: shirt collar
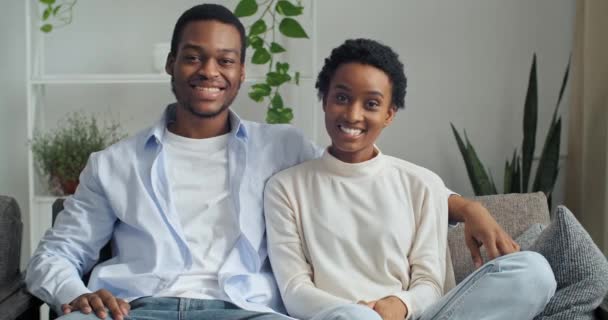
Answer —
156 135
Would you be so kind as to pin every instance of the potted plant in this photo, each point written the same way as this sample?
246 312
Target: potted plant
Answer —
61 155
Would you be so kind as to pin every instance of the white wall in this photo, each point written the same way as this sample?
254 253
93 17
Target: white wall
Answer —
467 63
13 134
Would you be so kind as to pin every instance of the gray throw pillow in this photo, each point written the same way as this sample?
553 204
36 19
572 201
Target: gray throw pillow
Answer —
580 268
527 239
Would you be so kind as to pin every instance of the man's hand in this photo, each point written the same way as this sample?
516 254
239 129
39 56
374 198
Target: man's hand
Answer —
480 228
391 308
97 302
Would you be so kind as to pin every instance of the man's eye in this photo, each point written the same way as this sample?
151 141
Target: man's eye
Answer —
191 58
227 61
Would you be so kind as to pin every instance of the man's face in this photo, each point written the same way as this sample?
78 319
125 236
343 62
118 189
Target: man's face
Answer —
357 108
206 70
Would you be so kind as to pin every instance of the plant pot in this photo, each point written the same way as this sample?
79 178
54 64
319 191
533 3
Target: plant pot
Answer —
62 186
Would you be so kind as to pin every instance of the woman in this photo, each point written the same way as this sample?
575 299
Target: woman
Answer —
363 235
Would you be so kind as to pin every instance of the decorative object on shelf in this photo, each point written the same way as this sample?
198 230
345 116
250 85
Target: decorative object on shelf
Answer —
62 154
56 14
282 16
517 171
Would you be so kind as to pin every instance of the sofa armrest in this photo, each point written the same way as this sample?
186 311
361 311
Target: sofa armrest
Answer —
18 303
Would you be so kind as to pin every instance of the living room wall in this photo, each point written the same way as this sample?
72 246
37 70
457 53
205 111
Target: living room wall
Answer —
467 62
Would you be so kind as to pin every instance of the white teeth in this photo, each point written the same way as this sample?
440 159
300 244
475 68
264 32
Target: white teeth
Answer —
350 131
208 89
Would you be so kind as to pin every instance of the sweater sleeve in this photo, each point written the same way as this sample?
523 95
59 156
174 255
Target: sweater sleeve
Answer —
291 269
427 257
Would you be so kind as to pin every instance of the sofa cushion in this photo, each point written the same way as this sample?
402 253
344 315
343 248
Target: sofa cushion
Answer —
580 268
514 212
529 237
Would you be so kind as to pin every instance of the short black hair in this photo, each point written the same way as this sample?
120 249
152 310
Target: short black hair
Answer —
206 12
368 52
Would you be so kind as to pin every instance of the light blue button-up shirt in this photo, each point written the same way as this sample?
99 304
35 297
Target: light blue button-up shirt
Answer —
124 197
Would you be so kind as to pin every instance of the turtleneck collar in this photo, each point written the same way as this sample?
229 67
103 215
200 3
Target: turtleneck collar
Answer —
359 169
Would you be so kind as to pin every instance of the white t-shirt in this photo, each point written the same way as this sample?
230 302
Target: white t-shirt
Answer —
339 233
197 170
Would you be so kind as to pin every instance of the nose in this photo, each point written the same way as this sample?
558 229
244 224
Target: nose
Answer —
209 69
353 112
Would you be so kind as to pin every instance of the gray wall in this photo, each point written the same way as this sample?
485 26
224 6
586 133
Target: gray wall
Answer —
467 63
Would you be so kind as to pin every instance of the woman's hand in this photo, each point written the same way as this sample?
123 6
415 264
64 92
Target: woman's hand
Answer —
480 228
390 308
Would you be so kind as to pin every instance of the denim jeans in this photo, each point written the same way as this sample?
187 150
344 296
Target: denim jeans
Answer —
515 286
182 309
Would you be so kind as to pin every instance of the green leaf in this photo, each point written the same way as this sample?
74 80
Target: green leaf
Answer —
56 10
287 8
508 176
292 28
258 27
256 42
246 8
282 68
530 120
259 91
548 166
260 56
485 183
480 182
561 92
297 77
279 115
276 79
277 101
276 48
49 2
46 28
46 14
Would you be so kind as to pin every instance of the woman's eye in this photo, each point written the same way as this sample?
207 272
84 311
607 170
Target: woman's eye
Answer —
341 98
372 104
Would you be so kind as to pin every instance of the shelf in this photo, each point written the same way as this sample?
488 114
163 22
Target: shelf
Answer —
101 78
115 79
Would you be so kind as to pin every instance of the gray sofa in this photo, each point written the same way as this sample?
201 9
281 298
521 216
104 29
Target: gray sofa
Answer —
519 215
516 213
15 301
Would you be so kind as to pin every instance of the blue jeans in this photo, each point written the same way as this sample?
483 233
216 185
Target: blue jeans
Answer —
515 286
182 309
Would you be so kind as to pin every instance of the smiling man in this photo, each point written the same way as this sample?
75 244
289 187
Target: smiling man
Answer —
181 201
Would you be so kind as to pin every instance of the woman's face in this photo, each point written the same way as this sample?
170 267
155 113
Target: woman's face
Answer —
357 107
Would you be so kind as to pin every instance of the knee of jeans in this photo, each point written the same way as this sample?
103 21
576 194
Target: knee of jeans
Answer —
537 275
354 311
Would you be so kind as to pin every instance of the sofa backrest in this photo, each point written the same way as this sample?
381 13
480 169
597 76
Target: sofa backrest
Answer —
11 230
514 212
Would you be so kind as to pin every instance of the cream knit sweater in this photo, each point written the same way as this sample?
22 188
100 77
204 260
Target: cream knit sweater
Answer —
341 232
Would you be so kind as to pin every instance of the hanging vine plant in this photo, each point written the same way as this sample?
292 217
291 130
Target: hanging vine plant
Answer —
273 17
56 14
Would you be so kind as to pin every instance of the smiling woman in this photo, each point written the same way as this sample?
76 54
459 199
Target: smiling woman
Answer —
375 226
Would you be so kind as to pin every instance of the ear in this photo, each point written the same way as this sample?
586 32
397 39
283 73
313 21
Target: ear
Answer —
242 72
390 115
324 102
169 64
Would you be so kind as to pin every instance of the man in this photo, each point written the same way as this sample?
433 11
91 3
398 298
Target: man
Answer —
182 201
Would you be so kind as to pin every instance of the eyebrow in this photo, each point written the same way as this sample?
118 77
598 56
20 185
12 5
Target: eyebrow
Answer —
199 48
347 88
